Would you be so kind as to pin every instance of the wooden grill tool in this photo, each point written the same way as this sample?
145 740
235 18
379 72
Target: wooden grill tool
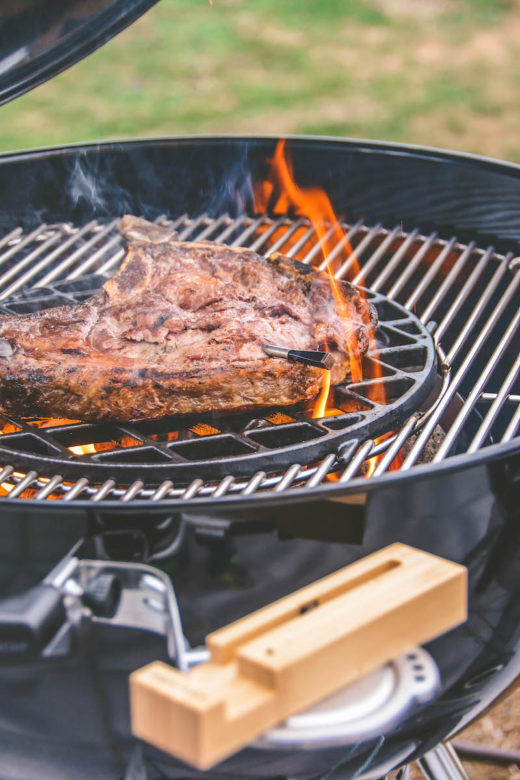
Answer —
291 654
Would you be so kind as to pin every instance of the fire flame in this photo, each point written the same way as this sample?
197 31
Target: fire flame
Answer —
83 449
280 194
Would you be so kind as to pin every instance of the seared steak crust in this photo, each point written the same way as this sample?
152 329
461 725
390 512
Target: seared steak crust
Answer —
178 329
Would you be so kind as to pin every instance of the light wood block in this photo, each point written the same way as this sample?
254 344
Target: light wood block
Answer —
289 655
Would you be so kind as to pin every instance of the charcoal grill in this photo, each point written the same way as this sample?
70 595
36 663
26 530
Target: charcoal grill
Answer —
236 512
422 285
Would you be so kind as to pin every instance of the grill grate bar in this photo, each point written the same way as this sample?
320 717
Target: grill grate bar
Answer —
57 270
279 243
302 241
104 490
162 491
411 267
495 407
92 260
23 484
429 275
317 248
465 291
477 389
27 260
321 472
49 488
513 426
394 449
394 262
359 250
355 464
476 312
134 489
17 245
455 383
448 282
254 483
373 260
76 489
346 241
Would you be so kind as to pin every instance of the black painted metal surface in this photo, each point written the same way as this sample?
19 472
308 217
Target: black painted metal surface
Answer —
39 39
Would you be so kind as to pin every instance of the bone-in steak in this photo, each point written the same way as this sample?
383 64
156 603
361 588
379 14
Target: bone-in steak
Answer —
178 329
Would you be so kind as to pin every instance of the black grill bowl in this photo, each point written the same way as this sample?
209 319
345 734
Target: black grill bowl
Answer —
463 507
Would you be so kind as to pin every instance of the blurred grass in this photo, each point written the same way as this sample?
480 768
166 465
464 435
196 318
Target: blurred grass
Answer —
434 72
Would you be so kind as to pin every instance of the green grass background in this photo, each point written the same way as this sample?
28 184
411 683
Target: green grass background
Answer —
435 72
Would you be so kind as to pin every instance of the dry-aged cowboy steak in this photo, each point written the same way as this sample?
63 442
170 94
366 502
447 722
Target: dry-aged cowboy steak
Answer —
178 329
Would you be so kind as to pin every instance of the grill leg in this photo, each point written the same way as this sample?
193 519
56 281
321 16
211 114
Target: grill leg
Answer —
442 763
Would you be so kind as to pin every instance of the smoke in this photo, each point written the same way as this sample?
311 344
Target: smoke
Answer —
93 189
84 186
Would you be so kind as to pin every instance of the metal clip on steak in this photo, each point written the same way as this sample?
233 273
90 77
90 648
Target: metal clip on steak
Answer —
178 329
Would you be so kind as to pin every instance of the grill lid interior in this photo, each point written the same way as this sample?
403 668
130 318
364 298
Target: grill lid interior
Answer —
39 39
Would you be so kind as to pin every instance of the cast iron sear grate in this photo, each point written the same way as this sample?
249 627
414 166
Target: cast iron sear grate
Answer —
210 446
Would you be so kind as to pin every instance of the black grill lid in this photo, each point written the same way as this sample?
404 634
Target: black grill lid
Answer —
39 39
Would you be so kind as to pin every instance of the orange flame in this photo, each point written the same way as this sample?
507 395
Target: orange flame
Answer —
280 194
83 449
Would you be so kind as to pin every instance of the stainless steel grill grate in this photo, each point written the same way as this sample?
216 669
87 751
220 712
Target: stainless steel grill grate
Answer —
467 295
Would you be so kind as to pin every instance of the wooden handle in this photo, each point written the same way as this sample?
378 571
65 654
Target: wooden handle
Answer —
289 655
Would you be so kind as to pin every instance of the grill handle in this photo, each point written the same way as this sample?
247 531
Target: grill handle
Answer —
295 652
29 621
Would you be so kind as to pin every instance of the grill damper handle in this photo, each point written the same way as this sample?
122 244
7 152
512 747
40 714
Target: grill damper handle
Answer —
297 651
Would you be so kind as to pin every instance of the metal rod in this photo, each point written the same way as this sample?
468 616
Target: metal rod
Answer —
5 256
321 242
321 472
35 269
471 400
104 490
449 280
412 266
163 489
288 478
224 486
359 250
58 269
360 456
393 263
293 251
429 275
254 483
512 428
463 294
93 259
280 242
454 384
309 357
442 763
76 489
250 230
495 407
347 239
192 489
511 398
405 432
262 239
133 490
23 484
373 260
476 312
49 488
27 260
